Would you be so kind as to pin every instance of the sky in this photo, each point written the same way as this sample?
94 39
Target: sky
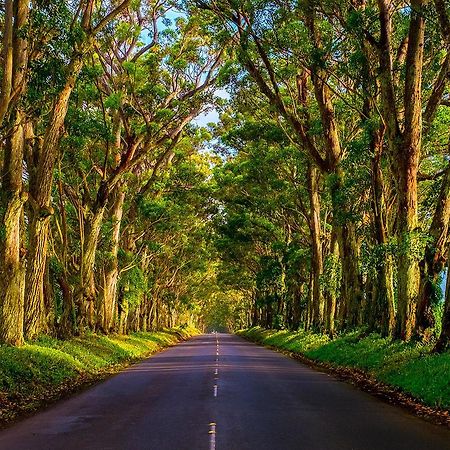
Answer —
212 116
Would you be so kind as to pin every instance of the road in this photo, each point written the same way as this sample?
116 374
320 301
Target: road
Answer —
221 392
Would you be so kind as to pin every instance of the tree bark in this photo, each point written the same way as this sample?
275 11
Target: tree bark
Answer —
11 248
316 247
109 296
7 59
382 310
408 163
123 309
86 295
68 317
405 146
345 231
330 294
351 293
12 197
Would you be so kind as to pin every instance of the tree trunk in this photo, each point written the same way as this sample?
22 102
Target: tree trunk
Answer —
49 317
255 310
109 295
34 282
152 315
123 308
12 197
382 309
345 232
145 313
351 294
7 58
86 295
405 146
331 297
68 316
408 266
11 248
408 263
316 247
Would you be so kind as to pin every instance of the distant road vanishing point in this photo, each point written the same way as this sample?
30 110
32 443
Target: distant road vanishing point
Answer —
218 391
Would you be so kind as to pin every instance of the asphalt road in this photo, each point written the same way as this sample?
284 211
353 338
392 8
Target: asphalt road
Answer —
221 392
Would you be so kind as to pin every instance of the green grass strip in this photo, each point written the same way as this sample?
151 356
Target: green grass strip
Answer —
408 366
48 368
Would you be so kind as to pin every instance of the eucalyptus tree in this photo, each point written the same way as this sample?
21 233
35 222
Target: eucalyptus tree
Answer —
436 150
159 92
14 64
84 21
100 94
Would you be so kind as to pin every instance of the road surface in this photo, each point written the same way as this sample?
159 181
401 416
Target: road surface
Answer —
221 392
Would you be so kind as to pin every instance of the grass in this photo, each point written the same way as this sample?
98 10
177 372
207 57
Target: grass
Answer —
48 368
411 367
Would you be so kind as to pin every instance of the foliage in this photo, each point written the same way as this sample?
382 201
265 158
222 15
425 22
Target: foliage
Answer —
319 197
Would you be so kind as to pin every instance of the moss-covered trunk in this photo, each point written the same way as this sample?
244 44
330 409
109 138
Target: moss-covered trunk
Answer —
316 247
332 283
344 229
404 132
382 307
86 293
108 298
11 246
408 264
12 197
351 292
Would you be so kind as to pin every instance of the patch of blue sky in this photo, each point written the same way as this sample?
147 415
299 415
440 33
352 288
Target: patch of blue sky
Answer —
166 22
211 115
443 282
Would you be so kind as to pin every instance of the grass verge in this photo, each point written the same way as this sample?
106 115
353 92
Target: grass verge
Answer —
408 368
48 369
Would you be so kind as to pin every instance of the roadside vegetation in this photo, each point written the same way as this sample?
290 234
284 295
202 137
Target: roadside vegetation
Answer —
412 367
318 200
46 369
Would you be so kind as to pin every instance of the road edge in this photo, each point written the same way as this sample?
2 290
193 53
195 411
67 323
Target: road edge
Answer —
367 383
28 406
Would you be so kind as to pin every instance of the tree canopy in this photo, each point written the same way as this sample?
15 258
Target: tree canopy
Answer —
319 199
